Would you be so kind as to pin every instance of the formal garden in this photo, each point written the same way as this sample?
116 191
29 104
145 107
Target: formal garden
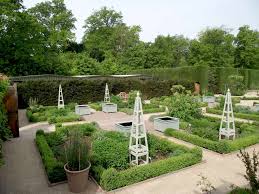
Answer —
114 113
104 154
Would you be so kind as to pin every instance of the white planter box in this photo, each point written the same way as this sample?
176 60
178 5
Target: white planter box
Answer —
109 107
209 99
162 123
124 127
256 107
82 110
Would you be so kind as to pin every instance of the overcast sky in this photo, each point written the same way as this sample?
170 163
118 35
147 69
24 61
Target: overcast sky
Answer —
187 17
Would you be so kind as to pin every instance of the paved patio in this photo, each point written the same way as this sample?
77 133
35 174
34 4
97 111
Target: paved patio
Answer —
23 171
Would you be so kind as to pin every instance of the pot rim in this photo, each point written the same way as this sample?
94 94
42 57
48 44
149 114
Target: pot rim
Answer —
78 171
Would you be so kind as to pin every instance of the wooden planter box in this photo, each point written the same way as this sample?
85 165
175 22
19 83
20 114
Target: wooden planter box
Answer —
109 107
162 123
82 110
209 99
124 127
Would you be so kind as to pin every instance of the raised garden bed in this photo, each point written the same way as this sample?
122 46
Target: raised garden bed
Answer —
162 123
110 165
82 110
124 127
109 107
204 133
209 99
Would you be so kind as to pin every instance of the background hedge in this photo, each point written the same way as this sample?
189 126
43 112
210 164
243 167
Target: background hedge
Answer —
84 91
213 78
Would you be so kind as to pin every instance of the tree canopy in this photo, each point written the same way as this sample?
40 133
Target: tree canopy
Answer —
41 40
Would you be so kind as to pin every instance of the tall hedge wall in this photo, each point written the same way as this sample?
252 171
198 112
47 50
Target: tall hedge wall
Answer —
213 78
84 91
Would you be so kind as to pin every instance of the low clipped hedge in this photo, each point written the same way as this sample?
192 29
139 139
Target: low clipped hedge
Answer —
223 146
54 169
51 114
113 171
112 179
253 117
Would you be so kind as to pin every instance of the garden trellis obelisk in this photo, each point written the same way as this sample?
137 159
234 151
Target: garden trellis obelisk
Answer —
138 147
60 98
227 125
106 95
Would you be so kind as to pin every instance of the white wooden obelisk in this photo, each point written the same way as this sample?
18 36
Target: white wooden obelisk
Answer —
138 147
227 125
106 95
60 98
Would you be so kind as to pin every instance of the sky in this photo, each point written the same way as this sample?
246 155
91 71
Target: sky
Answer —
163 17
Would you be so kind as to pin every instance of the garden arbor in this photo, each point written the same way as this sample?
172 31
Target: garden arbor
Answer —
60 98
138 147
227 125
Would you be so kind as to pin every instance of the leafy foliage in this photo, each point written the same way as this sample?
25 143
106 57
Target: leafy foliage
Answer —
51 114
54 168
183 106
252 166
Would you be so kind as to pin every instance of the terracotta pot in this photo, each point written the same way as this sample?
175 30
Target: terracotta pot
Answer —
77 180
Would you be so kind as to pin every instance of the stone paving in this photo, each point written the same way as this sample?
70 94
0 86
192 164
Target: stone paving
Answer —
23 171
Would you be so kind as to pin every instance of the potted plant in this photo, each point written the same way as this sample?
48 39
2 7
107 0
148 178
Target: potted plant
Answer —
78 165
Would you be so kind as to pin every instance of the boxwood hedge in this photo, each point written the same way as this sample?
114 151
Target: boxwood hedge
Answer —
112 179
113 171
54 168
223 146
237 115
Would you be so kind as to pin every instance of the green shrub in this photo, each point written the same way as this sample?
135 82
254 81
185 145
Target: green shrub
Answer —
112 179
128 111
85 129
51 114
54 168
223 146
91 90
254 117
183 106
110 159
96 106
236 85
241 191
110 149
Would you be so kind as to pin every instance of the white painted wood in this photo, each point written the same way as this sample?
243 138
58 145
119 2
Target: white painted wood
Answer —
227 125
138 147
60 98
106 95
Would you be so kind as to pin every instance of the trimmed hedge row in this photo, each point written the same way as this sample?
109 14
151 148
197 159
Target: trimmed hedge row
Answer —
55 169
213 78
51 114
223 146
84 91
112 179
237 115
